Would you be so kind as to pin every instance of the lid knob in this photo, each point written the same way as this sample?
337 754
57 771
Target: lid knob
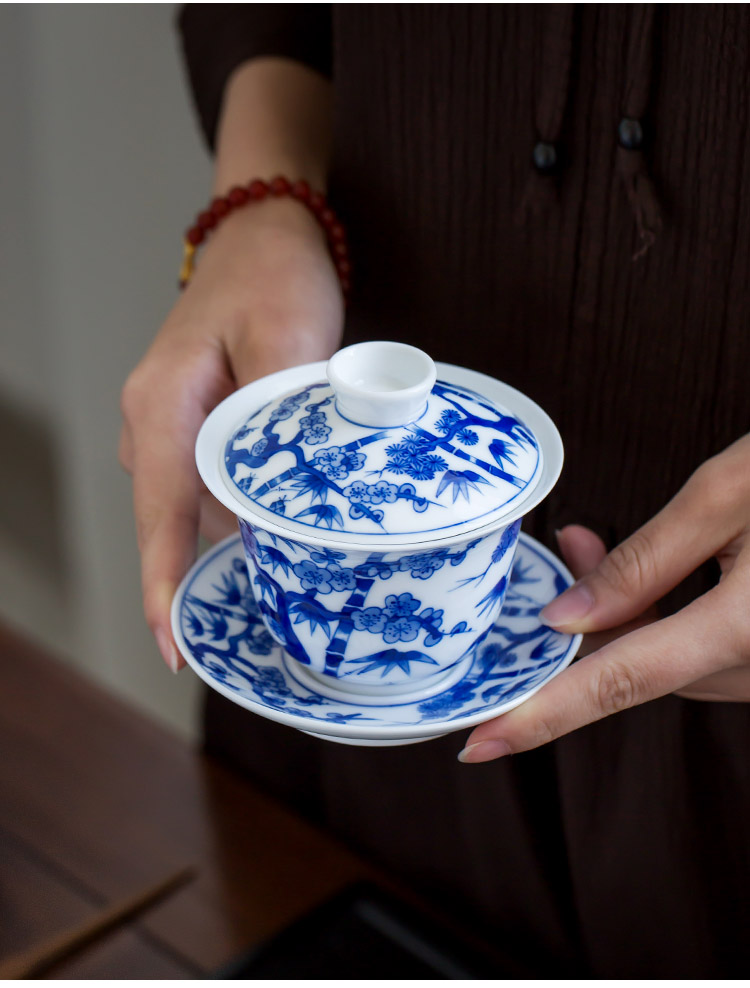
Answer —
381 383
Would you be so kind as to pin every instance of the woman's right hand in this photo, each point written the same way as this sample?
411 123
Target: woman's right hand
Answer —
264 296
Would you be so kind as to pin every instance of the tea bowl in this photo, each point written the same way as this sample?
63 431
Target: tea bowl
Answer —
379 497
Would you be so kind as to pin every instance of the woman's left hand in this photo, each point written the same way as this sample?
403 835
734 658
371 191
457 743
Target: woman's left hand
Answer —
702 652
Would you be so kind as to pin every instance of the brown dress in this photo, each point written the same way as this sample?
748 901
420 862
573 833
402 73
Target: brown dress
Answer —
558 195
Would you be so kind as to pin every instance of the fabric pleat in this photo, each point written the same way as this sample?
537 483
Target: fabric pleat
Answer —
621 850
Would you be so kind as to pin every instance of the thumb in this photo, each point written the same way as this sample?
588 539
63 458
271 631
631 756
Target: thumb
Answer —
581 549
637 573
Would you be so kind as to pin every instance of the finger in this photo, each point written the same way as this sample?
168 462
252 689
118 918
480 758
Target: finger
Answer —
216 521
166 498
595 640
728 685
125 448
581 549
646 566
648 663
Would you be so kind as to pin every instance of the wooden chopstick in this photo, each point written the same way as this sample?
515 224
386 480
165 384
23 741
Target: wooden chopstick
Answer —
31 962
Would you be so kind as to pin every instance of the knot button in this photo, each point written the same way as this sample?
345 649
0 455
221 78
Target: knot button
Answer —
544 157
630 134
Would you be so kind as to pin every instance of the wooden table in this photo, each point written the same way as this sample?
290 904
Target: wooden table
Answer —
97 801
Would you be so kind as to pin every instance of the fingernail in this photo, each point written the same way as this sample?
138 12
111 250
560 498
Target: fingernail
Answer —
167 649
484 751
571 605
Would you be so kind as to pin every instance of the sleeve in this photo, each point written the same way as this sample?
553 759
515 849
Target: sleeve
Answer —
217 38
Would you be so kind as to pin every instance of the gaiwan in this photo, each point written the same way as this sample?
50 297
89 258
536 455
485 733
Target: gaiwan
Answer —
379 497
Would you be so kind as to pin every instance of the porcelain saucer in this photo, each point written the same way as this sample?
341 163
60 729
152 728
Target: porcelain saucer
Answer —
220 632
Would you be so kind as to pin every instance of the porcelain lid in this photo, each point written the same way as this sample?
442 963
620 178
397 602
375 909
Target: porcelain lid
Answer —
382 449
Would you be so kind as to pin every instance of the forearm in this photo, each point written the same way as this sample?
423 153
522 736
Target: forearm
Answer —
275 120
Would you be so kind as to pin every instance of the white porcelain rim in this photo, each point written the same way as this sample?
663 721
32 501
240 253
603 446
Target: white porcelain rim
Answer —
389 732
233 412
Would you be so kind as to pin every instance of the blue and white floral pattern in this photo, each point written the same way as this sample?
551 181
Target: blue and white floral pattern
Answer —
463 461
221 633
379 618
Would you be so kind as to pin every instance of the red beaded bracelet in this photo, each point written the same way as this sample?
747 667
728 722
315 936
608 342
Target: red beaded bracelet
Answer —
256 191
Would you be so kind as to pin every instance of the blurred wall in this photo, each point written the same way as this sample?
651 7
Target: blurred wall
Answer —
101 168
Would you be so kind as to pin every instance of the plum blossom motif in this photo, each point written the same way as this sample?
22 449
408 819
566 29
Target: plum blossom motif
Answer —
295 401
269 685
401 630
312 577
324 581
282 412
423 564
341 578
363 496
316 435
370 619
401 605
395 621
288 406
382 491
337 463
377 569
357 492
362 493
